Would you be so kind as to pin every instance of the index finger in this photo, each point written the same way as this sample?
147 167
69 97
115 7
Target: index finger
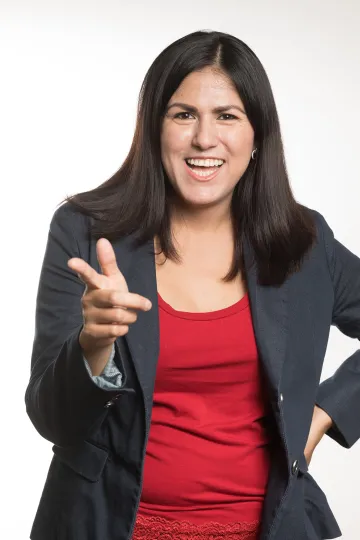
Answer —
107 258
86 273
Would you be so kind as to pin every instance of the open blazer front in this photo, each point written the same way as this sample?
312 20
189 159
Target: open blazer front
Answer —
93 486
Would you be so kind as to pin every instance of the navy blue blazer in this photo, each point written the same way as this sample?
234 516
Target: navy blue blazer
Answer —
93 486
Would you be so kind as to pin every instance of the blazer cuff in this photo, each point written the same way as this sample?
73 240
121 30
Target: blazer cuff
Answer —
339 396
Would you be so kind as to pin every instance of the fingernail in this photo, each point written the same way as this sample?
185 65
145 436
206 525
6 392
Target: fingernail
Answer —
148 305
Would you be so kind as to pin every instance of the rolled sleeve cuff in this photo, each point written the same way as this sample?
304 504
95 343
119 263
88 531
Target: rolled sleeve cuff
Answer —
110 377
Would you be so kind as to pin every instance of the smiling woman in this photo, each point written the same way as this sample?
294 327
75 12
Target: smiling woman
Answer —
194 415
205 95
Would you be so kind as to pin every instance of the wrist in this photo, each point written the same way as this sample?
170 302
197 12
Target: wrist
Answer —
321 419
96 356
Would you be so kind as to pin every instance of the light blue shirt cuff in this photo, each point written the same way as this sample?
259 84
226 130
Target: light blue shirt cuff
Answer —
110 377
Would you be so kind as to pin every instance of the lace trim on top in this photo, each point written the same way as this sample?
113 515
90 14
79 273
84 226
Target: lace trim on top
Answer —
156 528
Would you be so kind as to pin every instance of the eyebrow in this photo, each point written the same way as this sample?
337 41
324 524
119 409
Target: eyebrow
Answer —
192 109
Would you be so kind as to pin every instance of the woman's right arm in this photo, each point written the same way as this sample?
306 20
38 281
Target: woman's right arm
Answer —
63 402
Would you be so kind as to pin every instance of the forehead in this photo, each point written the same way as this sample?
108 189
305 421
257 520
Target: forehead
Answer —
206 86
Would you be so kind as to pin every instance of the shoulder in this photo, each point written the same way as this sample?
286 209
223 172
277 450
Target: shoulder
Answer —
318 217
69 218
72 229
324 231
68 212
324 245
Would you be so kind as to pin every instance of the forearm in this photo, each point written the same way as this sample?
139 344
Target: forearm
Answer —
321 420
339 396
320 424
63 402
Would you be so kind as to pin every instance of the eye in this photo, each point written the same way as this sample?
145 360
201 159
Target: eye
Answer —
232 116
179 115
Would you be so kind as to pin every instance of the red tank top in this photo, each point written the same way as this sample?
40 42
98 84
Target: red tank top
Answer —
207 458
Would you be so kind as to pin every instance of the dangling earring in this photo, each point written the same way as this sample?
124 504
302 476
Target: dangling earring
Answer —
253 153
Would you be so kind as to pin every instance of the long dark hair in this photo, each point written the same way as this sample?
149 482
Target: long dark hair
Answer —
136 200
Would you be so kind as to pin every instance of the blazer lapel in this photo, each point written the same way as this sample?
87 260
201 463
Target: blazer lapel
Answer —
269 311
143 336
268 305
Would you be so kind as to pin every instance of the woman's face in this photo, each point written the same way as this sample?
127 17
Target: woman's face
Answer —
201 132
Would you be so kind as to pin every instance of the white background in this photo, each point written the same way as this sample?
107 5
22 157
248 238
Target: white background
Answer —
71 71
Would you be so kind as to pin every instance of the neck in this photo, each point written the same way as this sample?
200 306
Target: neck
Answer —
202 221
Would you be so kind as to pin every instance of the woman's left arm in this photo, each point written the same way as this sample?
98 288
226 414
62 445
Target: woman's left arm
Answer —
320 424
337 411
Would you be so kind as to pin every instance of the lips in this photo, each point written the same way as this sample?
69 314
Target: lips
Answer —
198 168
202 178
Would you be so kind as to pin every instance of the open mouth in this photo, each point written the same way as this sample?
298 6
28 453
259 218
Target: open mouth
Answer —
201 172
203 167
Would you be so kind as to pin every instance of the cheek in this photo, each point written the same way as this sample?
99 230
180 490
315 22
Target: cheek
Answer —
240 141
175 140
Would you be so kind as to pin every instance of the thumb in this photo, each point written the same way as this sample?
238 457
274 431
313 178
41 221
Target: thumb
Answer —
107 259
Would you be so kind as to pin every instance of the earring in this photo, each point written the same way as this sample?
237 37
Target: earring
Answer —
253 153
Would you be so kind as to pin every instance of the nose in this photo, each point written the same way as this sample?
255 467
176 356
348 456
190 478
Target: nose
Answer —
205 134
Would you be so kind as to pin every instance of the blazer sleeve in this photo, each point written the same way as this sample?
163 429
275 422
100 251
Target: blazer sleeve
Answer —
339 395
62 400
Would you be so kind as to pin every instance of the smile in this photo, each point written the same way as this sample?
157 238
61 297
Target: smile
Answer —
203 174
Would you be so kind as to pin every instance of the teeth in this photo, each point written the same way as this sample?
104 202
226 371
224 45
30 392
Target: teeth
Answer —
205 162
205 173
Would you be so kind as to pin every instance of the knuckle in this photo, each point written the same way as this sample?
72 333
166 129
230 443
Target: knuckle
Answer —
124 330
90 330
97 331
119 330
87 312
127 316
87 299
121 315
114 331
143 303
96 295
113 297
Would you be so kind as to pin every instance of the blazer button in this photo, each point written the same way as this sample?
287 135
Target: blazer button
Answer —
112 401
109 404
295 467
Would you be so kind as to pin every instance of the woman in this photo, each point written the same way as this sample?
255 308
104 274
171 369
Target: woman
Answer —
196 418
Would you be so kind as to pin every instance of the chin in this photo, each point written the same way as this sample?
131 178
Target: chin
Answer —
201 195
200 201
